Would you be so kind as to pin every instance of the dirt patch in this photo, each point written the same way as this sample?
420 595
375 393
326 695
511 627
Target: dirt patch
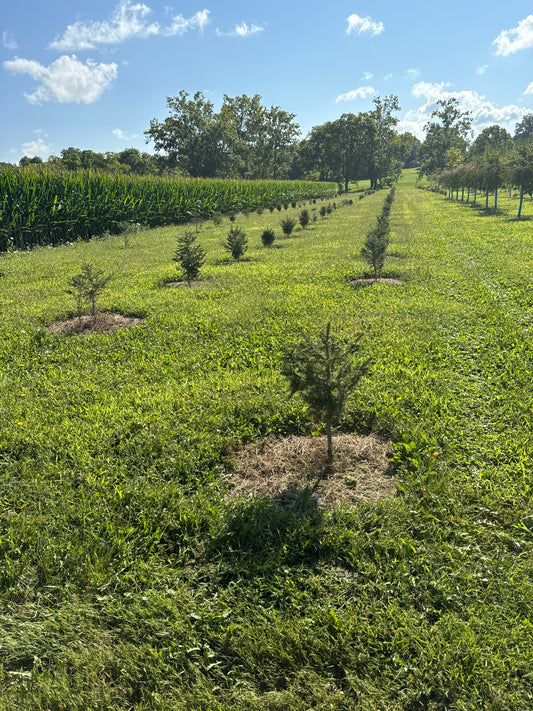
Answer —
89 325
295 468
379 280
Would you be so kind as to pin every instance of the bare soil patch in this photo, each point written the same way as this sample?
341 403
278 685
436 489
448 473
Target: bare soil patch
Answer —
99 324
379 280
295 468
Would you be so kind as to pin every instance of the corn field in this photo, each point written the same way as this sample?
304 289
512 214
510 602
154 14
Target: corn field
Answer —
50 209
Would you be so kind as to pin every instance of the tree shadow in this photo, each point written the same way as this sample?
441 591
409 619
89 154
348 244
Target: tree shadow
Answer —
263 534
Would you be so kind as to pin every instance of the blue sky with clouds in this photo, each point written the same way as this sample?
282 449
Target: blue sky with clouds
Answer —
93 74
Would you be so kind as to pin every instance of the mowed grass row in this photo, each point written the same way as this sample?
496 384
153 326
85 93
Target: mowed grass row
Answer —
40 207
128 581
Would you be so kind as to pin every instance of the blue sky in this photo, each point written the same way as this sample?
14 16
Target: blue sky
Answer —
93 74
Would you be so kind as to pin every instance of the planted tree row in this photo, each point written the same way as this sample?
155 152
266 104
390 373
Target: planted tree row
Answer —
51 209
491 171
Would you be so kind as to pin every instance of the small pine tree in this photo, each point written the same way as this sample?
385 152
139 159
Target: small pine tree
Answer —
322 370
374 250
87 286
267 237
304 218
323 211
190 256
287 225
236 243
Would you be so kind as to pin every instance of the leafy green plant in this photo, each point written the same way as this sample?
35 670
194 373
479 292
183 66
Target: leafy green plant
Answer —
267 237
322 370
87 286
287 225
236 243
191 257
304 218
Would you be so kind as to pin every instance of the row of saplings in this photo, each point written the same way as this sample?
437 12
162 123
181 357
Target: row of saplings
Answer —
321 369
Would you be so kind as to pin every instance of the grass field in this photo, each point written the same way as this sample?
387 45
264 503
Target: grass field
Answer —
129 581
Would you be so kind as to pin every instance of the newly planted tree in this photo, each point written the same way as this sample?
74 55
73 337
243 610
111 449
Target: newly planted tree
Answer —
236 243
374 249
323 371
190 256
304 218
287 225
267 237
87 287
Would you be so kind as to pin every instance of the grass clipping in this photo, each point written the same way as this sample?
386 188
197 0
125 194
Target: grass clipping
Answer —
292 469
101 323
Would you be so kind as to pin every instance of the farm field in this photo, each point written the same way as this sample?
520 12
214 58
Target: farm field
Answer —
128 578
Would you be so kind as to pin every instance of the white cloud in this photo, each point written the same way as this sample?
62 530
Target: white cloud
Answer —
241 30
39 146
360 93
358 25
520 37
8 41
529 89
367 76
413 73
482 70
122 135
483 112
128 20
180 24
65 80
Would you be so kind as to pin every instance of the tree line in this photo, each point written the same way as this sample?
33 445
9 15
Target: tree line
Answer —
493 160
248 140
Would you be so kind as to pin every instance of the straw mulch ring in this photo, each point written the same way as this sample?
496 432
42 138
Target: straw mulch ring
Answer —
292 469
101 323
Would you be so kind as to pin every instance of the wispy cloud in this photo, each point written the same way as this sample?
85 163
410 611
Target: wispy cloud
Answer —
367 76
38 146
413 73
128 20
362 93
8 40
123 135
482 70
529 89
65 80
519 37
358 25
241 30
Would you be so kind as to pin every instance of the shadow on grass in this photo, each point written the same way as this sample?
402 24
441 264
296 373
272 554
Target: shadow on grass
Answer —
261 535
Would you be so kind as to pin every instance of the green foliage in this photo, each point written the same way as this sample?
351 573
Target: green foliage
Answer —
376 243
268 236
322 371
129 580
287 225
236 243
54 208
304 218
87 286
190 256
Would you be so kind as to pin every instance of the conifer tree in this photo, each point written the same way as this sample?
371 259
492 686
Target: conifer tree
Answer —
321 369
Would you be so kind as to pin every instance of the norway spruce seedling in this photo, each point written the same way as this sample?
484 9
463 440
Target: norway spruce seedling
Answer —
236 243
190 256
267 237
322 370
304 218
87 286
287 225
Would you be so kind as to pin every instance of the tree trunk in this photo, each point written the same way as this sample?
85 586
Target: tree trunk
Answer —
330 442
521 200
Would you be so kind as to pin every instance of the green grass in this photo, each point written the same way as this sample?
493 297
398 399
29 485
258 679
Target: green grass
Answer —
126 579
